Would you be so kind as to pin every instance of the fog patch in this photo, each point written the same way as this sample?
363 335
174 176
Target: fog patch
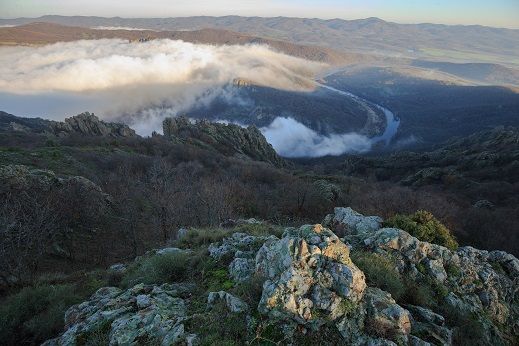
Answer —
292 139
139 83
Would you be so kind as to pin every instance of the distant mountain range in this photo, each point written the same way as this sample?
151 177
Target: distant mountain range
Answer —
45 33
372 35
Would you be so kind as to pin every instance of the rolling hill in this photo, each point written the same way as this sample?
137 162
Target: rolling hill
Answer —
372 35
44 33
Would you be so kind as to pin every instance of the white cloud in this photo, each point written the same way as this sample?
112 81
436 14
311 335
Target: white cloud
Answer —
290 138
144 82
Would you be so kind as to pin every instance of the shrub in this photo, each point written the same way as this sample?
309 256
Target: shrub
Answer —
35 314
424 226
203 237
417 293
158 269
380 272
259 229
218 279
250 290
220 326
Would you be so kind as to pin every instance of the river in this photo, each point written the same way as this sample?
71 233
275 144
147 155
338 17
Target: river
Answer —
392 122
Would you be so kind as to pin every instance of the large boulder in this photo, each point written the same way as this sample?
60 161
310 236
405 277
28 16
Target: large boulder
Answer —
309 277
346 221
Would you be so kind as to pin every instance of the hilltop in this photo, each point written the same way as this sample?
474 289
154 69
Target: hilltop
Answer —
202 226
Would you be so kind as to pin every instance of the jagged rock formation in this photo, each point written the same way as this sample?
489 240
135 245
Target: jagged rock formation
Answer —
310 282
228 139
88 124
85 124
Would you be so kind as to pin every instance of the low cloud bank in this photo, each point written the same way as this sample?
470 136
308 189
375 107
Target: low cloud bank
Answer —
292 139
141 83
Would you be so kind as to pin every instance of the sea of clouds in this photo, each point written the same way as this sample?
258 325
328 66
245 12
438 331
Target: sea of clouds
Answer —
143 83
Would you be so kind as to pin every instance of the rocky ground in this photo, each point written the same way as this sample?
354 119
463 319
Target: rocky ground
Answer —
312 287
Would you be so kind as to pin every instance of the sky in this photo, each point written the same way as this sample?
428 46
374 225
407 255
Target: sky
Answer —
498 13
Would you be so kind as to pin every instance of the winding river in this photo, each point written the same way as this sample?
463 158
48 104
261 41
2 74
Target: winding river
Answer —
392 122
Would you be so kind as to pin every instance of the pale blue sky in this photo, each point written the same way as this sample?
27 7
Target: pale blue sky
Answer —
500 13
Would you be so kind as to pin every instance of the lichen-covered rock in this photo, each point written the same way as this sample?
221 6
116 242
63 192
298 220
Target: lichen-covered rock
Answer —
143 312
348 221
241 268
241 248
309 277
118 268
384 317
230 245
234 304
473 281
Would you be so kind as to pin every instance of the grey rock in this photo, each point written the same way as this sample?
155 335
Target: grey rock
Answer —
241 269
234 304
118 268
143 311
303 278
348 221
182 233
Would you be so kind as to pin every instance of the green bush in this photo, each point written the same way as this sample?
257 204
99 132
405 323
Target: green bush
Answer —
158 269
380 272
220 326
424 226
203 237
250 290
421 294
259 229
35 314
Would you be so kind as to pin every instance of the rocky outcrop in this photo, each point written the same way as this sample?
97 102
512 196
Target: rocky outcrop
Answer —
87 124
20 178
476 283
311 284
309 276
227 139
84 124
311 281
142 314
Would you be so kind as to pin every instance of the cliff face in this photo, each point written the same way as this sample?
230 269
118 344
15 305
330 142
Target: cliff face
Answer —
309 286
227 139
